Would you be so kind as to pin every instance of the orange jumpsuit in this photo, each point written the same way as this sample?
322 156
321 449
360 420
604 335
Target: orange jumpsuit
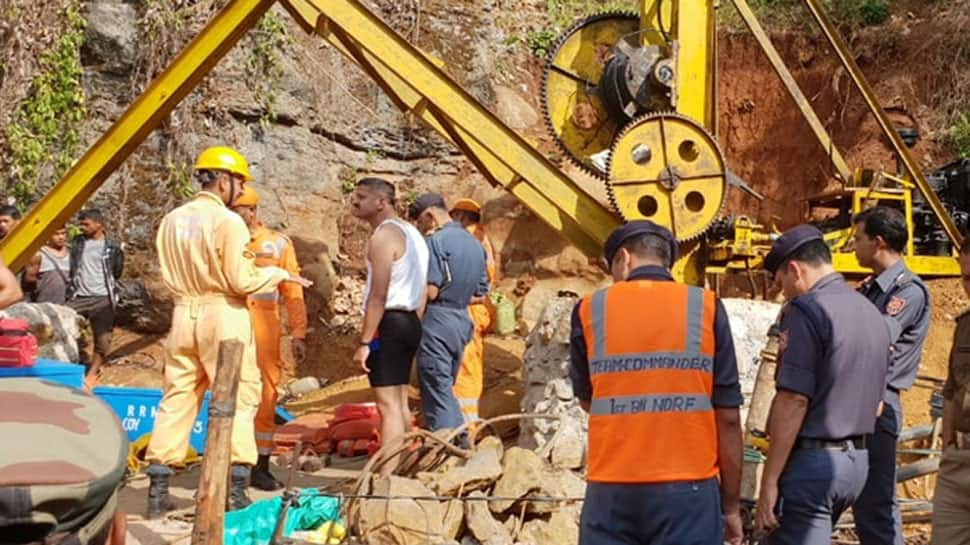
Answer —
204 261
471 376
276 250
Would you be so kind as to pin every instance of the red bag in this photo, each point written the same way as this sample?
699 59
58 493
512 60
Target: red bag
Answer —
356 429
356 411
355 447
18 348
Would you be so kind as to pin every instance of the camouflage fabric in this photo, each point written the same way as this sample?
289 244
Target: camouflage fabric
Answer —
62 461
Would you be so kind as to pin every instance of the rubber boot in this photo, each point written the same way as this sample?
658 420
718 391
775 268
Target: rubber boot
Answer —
159 501
239 482
261 478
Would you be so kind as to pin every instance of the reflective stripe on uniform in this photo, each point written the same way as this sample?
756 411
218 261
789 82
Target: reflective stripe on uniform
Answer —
656 403
695 311
650 347
272 296
599 324
469 408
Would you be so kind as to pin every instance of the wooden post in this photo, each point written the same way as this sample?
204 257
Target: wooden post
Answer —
761 398
211 500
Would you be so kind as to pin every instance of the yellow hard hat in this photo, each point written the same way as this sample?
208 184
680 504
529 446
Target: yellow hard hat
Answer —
248 197
223 158
468 205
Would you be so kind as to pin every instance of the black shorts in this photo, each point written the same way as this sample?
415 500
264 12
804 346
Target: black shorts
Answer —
98 310
398 337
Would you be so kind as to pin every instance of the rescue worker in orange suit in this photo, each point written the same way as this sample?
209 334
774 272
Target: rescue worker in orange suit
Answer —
271 248
205 264
652 362
471 376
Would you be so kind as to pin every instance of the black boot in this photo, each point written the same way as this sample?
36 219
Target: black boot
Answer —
239 481
158 500
261 478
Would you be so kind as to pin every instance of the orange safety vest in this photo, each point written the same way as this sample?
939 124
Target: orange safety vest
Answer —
650 346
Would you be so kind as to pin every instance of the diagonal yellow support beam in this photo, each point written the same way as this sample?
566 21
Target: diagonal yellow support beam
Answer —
801 101
128 132
421 88
862 84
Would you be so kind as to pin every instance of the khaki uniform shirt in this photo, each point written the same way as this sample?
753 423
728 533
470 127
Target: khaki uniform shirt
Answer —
202 252
957 386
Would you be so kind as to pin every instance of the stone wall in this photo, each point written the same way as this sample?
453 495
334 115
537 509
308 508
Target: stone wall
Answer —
548 389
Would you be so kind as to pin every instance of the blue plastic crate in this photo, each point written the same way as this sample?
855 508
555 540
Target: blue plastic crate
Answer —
136 408
70 374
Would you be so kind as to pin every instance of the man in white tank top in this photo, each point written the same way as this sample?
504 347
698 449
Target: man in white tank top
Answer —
397 270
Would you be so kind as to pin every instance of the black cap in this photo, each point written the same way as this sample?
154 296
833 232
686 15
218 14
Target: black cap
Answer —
424 202
788 242
634 228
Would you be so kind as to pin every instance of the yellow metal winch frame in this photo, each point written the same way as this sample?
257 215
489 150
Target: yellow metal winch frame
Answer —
419 87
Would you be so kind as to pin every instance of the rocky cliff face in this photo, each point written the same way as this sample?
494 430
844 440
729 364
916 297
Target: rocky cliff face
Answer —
327 124
311 123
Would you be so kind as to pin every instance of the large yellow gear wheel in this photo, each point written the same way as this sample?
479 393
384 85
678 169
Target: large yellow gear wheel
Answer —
669 169
574 112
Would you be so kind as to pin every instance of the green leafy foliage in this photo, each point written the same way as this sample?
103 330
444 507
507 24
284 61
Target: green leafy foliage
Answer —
960 133
563 13
873 12
540 41
787 14
179 179
348 179
264 69
44 136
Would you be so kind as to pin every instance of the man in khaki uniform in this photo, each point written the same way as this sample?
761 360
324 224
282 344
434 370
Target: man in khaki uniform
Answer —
951 504
202 252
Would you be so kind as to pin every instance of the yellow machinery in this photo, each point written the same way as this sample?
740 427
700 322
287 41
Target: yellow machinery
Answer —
629 97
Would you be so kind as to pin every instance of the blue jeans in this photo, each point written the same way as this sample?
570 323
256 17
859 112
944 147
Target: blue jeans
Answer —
817 486
675 513
877 517
445 332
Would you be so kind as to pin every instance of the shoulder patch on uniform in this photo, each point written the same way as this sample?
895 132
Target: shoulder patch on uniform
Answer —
783 341
895 305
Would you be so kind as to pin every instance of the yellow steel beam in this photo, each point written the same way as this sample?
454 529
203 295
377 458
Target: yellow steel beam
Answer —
927 266
796 93
690 28
138 121
872 101
419 87
696 35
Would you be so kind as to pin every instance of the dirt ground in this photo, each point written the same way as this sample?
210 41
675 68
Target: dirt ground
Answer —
947 302
138 363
